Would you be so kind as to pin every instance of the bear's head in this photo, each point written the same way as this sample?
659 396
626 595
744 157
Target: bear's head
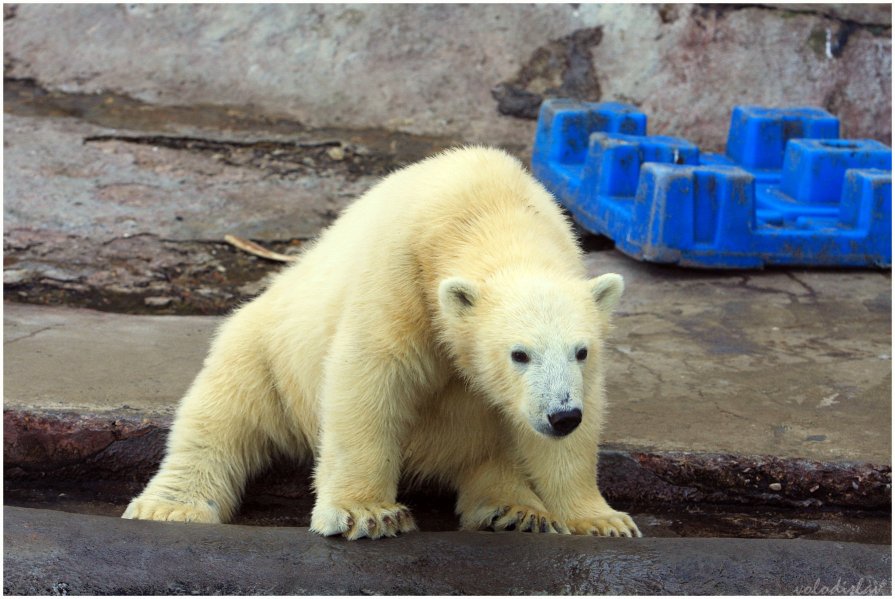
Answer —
530 344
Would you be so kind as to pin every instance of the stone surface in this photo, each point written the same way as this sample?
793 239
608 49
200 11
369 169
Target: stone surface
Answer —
785 363
780 362
432 68
95 215
71 177
48 552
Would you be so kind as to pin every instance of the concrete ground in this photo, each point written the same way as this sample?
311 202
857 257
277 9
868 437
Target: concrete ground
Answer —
787 363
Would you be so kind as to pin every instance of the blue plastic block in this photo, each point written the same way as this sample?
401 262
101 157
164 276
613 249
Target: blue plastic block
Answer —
775 198
686 215
574 122
813 170
758 136
613 159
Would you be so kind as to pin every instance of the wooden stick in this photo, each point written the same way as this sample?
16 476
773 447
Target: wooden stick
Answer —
256 250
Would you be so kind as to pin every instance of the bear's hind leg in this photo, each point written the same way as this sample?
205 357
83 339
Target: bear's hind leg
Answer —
224 431
182 492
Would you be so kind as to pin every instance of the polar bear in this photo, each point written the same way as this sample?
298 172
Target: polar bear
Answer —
443 328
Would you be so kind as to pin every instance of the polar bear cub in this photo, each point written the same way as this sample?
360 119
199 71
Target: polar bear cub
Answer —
443 328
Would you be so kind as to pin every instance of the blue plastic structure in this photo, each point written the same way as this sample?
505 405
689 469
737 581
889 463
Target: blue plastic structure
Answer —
787 191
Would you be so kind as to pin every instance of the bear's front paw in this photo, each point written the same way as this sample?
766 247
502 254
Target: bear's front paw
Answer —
156 508
608 524
373 520
512 517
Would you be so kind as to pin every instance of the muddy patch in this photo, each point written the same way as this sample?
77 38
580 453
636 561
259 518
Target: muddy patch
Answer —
139 275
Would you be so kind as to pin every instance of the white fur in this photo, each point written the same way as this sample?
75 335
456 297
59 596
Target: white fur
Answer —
386 352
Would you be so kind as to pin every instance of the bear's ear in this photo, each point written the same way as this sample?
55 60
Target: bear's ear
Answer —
606 290
457 294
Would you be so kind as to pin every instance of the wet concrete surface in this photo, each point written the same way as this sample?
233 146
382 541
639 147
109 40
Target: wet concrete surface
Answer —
47 552
369 151
111 188
120 205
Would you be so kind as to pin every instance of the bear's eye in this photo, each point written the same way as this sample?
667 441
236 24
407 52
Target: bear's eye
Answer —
520 357
581 355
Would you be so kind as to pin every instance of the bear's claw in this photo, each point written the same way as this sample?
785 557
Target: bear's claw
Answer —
610 524
514 517
366 520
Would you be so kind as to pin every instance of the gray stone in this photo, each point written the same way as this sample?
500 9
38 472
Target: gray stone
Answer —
158 302
78 360
46 551
775 355
14 276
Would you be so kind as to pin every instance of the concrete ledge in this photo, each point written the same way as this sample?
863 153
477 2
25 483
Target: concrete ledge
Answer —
48 552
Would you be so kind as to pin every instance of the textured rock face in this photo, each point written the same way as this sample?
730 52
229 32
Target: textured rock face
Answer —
475 73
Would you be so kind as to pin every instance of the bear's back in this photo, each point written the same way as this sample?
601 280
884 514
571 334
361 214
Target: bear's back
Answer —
477 205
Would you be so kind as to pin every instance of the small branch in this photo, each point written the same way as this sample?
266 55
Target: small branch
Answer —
256 250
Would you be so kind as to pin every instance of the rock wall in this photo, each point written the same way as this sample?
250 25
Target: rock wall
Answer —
471 73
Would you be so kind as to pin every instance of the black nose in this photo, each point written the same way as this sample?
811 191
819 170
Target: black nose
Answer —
565 422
